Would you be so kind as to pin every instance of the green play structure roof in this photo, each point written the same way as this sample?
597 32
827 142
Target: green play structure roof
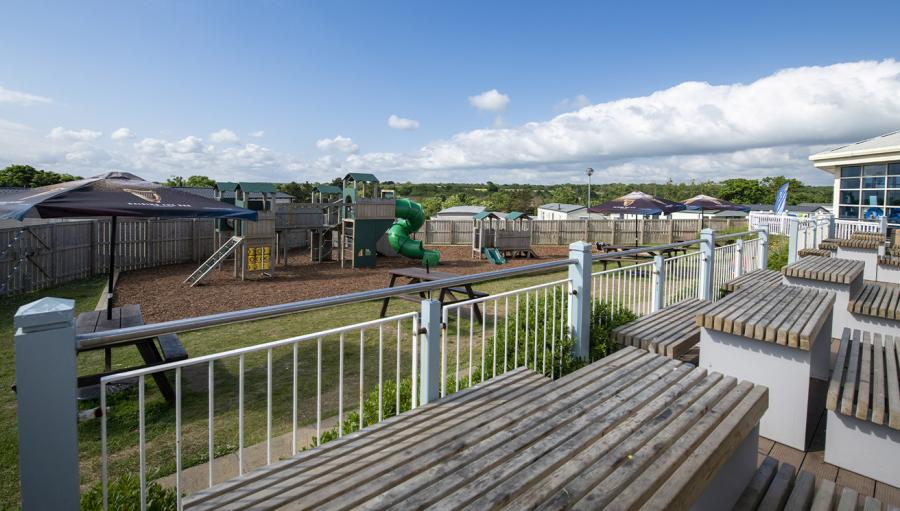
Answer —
225 186
362 177
257 187
514 215
485 214
329 189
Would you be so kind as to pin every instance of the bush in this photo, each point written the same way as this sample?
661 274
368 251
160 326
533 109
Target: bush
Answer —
125 495
604 319
778 252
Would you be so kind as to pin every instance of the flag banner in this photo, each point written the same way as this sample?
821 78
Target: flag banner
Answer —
781 199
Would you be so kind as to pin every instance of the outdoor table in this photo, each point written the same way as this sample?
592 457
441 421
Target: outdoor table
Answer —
170 349
447 296
630 430
648 252
778 336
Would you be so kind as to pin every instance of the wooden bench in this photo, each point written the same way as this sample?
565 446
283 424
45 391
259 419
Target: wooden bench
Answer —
877 299
863 247
632 429
778 336
669 332
447 295
889 266
777 488
821 252
825 269
761 276
863 429
829 244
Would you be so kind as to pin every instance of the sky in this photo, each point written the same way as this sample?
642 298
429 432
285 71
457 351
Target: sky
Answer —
463 91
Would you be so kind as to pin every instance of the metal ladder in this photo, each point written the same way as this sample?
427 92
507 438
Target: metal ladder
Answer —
214 260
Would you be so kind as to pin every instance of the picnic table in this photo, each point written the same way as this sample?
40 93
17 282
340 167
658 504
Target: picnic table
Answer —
169 350
447 296
632 429
649 251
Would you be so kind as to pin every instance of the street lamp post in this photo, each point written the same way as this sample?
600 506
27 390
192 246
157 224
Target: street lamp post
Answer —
590 172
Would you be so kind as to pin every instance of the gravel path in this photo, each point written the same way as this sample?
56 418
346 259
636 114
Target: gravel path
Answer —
163 297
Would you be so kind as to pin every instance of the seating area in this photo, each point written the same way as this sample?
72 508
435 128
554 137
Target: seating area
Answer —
647 431
821 252
764 277
670 332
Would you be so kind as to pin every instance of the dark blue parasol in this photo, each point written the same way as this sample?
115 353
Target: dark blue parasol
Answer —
705 202
637 203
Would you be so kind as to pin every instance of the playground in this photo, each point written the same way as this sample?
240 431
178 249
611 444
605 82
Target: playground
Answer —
163 297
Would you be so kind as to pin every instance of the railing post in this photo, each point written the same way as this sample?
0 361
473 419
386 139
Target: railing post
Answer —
763 247
707 261
659 283
739 258
430 351
831 226
580 300
883 225
793 239
47 410
815 243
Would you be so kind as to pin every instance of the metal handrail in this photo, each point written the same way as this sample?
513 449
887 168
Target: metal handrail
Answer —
124 335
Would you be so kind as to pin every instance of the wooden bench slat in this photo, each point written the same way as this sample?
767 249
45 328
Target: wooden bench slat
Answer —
878 375
824 499
891 354
759 485
849 394
780 489
865 370
848 500
802 495
826 269
837 375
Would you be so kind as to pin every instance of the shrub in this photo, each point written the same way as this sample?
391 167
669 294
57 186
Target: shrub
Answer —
778 252
604 319
125 495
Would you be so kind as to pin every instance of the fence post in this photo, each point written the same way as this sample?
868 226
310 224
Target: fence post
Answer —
580 300
47 410
763 247
430 351
659 283
831 225
793 239
739 258
707 261
883 225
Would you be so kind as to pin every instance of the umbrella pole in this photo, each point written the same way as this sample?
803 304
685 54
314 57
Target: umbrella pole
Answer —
112 267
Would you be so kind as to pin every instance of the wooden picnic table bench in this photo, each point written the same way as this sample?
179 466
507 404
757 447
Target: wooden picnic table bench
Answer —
777 487
863 402
170 348
761 276
632 429
825 269
670 332
821 252
877 299
447 295
779 336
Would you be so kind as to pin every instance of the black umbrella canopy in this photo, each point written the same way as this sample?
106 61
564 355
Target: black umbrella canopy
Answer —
705 202
638 203
114 194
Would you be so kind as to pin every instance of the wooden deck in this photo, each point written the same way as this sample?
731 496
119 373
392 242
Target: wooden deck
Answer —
632 429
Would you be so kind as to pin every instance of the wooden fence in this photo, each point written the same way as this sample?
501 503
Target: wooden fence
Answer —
42 254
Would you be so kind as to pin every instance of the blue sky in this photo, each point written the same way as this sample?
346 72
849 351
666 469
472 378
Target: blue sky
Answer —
304 73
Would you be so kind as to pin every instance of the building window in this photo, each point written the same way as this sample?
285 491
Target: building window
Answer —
866 190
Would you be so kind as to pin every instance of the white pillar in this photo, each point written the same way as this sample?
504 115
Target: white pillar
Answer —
793 239
707 261
763 247
430 351
46 381
580 300
739 258
659 283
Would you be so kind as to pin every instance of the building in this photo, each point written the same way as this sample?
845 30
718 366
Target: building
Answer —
557 211
694 214
459 213
798 210
866 177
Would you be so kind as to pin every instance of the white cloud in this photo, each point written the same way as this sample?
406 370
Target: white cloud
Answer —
122 134
490 101
21 98
339 143
258 134
83 135
568 104
401 123
224 136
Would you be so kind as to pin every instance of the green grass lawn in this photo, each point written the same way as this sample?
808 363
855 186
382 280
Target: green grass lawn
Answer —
160 416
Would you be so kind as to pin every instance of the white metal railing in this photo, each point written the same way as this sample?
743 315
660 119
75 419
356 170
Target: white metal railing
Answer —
520 322
629 287
750 260
844 228
724 268
340 334
681 276
811 232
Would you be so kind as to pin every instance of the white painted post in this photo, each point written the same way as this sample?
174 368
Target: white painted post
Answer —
763 247
430 351
580 300
883 225
739 258
659 283
46 380
831 225
707 260
793 239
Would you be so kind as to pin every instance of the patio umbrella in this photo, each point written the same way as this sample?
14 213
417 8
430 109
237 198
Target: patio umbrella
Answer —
703 202
114 194
637 203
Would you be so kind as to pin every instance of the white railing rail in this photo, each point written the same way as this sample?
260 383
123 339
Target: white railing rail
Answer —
241 354
543 315
844 228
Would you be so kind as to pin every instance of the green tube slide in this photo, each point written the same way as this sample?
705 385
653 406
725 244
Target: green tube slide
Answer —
410 217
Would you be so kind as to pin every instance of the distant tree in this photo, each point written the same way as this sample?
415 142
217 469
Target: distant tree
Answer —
772 184
567 194
492 188
300 191
201 182
432 205
743 191
175 181
29 177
